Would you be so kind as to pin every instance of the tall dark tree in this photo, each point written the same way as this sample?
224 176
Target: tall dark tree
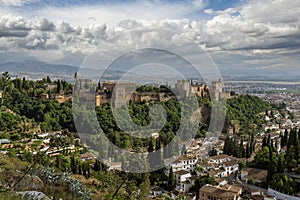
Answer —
227 146
183 150
281 140
248 150
280 164
269 140
48 80
157 143
152 157
25 84
264 142
97 165
292 138
84 170
290 158
213 152
270 165
79 168
73 165
285 137
88 172
150 146
241 153
99 85
171 180
272 144
58 87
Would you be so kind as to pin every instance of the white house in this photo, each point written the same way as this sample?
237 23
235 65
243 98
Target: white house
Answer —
220 158
183 180
187 163
219 166
230 166
156 191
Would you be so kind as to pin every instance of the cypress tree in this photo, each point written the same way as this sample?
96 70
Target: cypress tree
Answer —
291 138
79 169
151 155
48 80
96 166
247 151
269 140
213 152
271 144
150 146
88 172
73 165
183 150
157 152
296 144
157 143
171 180
226 146
281 140
241 151
84 170
285 137
264 142
99 85
58 86
270 165
280 166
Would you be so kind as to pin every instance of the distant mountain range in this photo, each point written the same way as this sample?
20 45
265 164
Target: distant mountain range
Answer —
37 67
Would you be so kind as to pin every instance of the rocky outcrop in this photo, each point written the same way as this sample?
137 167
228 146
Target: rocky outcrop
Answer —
20 182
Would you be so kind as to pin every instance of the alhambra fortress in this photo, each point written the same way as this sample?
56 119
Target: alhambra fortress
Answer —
119 93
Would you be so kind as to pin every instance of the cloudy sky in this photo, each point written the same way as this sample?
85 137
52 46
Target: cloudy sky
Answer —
245 37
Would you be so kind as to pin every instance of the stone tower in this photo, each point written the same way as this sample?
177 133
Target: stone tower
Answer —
216 89
121 93
184 88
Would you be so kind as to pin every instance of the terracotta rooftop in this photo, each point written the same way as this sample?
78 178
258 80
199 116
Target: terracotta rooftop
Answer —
221 156
185 157
181 172
220 191
232 188
230 163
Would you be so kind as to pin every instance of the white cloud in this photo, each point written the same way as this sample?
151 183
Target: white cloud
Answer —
17 2
273 11
113 13
220 12
259 28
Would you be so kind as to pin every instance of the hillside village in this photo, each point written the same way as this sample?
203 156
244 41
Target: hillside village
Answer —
206 169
